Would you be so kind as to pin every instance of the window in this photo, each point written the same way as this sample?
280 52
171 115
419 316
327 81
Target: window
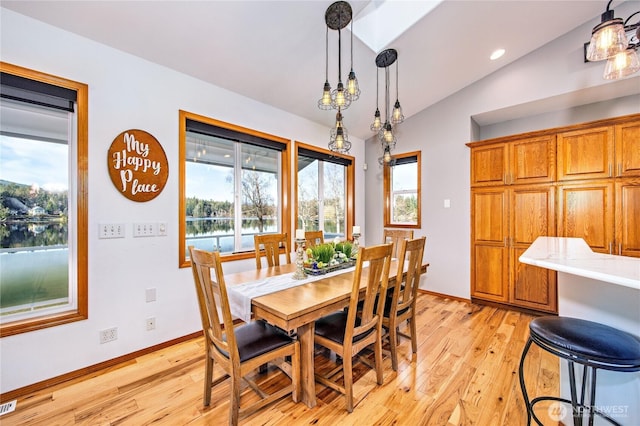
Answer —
43 200
234 184
402 191
325 188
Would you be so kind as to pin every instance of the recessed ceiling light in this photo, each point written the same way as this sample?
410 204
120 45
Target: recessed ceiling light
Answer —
497 54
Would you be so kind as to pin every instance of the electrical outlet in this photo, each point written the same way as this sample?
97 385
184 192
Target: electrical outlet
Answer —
146 229
111 230
108 334
151 323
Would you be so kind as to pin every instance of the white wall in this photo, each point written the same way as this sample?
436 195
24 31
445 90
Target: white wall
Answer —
126 92
544 89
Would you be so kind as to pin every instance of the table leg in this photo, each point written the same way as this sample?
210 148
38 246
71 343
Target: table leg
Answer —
305 337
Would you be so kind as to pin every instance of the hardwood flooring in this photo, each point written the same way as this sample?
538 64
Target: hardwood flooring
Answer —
466 373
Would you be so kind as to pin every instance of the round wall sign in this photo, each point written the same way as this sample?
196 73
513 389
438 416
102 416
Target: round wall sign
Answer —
137 165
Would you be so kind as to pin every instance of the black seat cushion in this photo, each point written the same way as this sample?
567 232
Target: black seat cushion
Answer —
257 338
588 340
333 327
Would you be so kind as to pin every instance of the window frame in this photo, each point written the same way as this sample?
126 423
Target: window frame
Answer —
80 168
388 195
284 192
349 190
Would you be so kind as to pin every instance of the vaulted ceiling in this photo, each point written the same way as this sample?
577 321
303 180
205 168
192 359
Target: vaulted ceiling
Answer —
274 51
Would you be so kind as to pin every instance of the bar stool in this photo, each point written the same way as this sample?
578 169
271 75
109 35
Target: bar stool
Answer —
593 345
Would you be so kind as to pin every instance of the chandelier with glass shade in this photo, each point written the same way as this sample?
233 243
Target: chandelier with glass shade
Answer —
617 43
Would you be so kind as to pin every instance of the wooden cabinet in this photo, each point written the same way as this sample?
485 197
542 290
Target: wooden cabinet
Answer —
627 137
505 221
586 154
527 160
585 210
627 217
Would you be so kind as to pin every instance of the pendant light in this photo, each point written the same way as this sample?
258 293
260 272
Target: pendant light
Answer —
393 115
337 16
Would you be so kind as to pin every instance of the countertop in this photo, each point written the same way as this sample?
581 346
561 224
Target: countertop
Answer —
574 256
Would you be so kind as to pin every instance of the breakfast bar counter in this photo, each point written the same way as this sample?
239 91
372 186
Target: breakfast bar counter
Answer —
601 288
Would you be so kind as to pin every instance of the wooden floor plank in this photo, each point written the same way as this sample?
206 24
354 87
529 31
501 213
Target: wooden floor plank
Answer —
465 373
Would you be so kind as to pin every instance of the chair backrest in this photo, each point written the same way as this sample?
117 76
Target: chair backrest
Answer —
410 253
213 302
271 244
394 236
376 277
313 238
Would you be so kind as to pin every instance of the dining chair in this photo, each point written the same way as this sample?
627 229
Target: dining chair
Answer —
314 238
241 349
271 244
348 332
401 304
394 236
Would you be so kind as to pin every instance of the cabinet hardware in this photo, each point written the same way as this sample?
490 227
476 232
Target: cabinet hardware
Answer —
619 169
610 170
611 248
620 249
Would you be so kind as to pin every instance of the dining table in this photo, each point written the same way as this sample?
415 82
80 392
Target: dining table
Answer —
295 309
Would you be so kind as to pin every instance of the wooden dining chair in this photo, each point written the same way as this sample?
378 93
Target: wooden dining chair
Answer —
271 244
401 303
238 349
394 236
348 332
313 238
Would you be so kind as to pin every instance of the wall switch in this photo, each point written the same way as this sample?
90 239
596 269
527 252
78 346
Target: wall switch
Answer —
146 229
447 203
162 229
111 230
150 294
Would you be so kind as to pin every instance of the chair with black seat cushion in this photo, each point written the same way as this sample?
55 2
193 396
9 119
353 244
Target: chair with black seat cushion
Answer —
241 349
313 238
594 346
348 332
395 236
401 303
268 246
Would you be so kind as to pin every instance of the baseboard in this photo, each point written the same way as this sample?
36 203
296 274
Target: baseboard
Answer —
16 393
444 296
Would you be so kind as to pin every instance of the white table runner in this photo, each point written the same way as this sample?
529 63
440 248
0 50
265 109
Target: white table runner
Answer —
240 295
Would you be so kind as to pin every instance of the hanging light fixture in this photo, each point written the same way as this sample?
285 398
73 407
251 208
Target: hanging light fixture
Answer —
393 116
615 41
337 17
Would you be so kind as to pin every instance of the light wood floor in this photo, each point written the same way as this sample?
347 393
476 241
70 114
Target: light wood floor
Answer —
466 373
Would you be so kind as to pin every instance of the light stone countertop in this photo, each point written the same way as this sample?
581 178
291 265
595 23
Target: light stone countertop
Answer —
574 256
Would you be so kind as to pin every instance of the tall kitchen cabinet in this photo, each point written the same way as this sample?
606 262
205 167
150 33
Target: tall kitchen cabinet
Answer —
599 186
579 181
512 203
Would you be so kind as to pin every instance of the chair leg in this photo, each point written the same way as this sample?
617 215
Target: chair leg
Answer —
414 338
234 409
577 409
347 371
592 399
393 345
523 387
377 350
208 380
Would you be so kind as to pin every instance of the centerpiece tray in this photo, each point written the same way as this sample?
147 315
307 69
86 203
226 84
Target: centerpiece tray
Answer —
330 268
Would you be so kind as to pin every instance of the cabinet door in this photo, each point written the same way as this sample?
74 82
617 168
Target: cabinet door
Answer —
489 165
585 211
533 160
628 217
489 254
532 214
585 154
628 149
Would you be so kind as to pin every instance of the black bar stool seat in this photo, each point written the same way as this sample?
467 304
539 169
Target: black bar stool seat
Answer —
593 345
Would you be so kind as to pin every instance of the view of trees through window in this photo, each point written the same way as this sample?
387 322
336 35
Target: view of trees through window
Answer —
231 192
322 196
34 211
402 190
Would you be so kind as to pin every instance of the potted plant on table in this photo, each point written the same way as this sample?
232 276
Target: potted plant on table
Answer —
329 257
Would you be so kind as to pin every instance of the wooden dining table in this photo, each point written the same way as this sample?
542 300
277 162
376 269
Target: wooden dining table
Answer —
297 308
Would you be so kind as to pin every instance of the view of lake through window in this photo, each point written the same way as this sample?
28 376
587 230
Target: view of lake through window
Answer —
34 195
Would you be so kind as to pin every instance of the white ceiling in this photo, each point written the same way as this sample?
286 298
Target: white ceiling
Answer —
273 51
